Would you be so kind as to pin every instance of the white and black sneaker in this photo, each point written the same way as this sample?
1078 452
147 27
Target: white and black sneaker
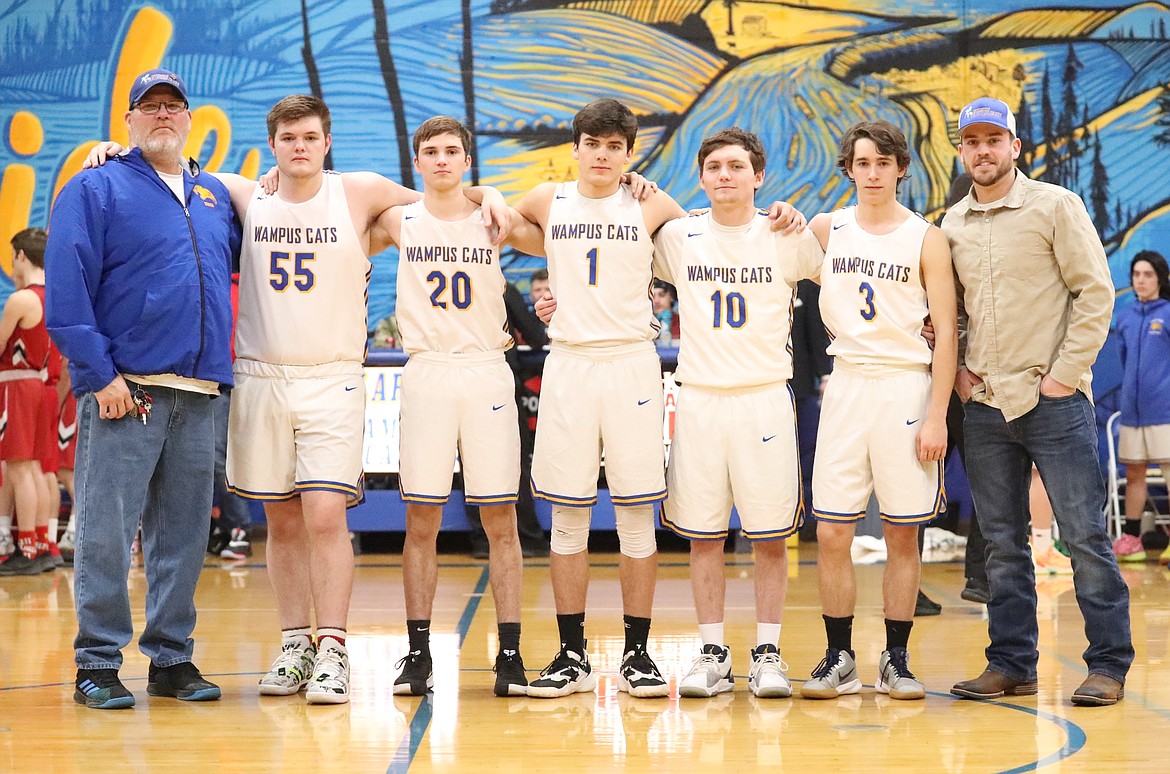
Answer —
639 676
290 671
568 673
330 681
710 674
766 677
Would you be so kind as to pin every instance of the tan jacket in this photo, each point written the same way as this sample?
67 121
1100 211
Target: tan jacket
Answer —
1034 290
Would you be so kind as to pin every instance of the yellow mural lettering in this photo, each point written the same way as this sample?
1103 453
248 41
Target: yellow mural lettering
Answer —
205 121
251 166
146 42
25 134
71 166
16 195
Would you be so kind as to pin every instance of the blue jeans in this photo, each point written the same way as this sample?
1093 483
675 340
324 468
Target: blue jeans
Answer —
233 509
161 473
1060 437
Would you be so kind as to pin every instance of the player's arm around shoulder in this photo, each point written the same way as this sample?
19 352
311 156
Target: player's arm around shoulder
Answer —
240 188
802 254
524 235
386 231
374 194
23 306
537 203
939 281
658 209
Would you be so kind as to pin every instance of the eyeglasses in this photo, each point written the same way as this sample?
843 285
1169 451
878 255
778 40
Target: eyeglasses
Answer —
152 108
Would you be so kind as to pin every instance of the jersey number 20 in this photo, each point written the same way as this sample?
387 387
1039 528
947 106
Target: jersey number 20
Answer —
460 289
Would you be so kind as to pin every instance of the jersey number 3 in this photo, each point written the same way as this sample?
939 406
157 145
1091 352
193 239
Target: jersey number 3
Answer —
869 312
302 276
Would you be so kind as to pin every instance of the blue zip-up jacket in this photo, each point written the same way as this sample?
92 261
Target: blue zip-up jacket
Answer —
1144 333
138 282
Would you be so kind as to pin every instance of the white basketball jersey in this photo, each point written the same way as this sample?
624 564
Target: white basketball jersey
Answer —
303 280
872 299
450 285
735 304
599 256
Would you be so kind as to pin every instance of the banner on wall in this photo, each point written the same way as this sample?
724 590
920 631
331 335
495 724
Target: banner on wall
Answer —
380 448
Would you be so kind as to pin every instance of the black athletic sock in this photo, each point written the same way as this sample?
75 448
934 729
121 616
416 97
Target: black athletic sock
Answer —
419 634
839 631
1132 527
637 632
509 636
897 633
572 629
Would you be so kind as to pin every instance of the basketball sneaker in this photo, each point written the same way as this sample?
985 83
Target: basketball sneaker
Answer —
835 676
766 677
290 671
417 675
568 673
180 681
1129 548
895 677
101 689
330 681
639 676
709 674
510 677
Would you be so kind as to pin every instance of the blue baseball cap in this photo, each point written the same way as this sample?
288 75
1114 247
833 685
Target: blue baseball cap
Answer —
157 77
986 110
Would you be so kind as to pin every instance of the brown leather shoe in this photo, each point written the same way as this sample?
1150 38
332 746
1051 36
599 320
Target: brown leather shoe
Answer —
992 685
1098 691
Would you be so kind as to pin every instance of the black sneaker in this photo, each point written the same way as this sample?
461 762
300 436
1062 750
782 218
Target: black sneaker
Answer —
926 606
101 689
976 591
180 681
19 564
510 678
417 676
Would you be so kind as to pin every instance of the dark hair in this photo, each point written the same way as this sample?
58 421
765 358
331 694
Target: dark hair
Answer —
671 290
1156 260
539 274
735 136
889 139
433 127
604 117
31 242
295 107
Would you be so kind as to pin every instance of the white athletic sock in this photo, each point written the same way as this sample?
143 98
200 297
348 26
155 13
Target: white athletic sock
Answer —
767 634
302 636
5 529
1041 540
712 634
328 637
53 531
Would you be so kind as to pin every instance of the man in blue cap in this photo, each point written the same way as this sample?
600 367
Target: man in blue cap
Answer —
1035 305
138 267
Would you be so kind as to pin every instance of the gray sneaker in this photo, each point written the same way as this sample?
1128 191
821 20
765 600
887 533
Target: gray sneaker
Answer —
895 677
709 675
835 676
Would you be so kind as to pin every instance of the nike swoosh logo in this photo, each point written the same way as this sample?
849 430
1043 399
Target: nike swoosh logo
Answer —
699 233
560 197
839 225
409 217
768 438
911 421
643 402
497 408
350 389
